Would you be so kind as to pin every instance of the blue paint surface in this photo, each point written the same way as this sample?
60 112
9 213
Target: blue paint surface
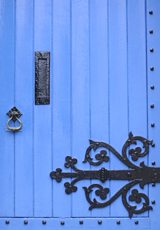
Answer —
100 83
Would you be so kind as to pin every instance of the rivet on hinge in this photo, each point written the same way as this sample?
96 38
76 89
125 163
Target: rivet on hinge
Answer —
153 163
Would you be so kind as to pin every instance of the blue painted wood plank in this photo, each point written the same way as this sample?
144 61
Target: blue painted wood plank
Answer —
118 101
24 88
137 80
80 97
153 98
42 117
99 108
7 34
61 94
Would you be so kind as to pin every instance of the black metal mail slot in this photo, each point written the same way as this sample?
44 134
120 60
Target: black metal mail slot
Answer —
42 78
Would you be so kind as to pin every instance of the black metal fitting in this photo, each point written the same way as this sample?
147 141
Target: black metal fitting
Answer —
44 222
136 222
26 222
152 68
151 12
151 50
118 222
81 222
152 106
7 222
151 31
153 202
62 222
153 125
99 221
152 87
153 163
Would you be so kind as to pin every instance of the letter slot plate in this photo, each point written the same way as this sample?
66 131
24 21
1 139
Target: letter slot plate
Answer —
42 78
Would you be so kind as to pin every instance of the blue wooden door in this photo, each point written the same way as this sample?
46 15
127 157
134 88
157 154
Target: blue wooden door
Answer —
104 84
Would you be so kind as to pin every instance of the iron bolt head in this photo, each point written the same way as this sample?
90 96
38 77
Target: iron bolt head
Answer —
118 222
25 221
99 221
151 31
153 185
62 222
7 222
151 50
153 145
152 87
153 163
151 12
81 222
152 68
136 222
44 222
153 125
153 202
152 106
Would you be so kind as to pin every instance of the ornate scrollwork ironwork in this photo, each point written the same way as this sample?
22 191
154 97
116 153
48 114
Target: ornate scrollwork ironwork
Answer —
136 174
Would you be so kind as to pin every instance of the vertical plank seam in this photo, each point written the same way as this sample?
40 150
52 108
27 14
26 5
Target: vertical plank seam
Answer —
128 98
14 104
147 80
52 99
108 14
71 106
89 85
33 118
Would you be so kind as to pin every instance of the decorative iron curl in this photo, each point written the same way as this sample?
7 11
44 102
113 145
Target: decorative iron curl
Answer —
139 198
134 175
135 153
